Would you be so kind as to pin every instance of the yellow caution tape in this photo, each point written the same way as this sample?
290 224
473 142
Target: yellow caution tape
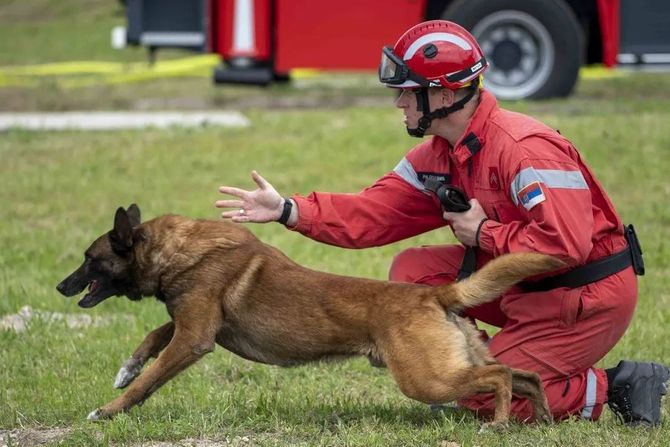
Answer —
305 73
62 68
87 73
601 72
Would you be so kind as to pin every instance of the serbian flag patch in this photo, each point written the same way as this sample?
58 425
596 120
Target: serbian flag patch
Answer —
531 195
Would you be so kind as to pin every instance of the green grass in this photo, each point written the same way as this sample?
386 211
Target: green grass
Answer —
60 189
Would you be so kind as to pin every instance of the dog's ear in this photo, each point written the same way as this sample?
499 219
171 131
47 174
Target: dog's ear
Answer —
122 234
133 212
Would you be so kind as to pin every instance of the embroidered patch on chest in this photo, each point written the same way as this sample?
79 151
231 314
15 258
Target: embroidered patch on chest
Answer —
531 195
434 176
494 178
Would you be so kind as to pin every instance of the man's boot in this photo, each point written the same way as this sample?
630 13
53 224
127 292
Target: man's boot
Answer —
635 390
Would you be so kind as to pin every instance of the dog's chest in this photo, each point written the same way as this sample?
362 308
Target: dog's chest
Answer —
250 344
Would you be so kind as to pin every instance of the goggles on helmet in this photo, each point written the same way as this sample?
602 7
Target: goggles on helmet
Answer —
394 71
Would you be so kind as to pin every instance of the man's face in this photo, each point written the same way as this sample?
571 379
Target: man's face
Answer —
407 102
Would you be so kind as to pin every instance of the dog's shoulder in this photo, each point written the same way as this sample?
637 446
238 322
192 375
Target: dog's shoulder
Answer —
198 236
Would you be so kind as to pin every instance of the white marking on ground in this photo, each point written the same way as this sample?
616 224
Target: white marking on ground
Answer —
120 120
21 320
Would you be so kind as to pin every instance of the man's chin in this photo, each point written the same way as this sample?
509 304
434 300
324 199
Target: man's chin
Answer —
415 132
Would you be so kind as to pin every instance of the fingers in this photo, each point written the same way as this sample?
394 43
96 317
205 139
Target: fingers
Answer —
229 204
260 181
241 193
235 216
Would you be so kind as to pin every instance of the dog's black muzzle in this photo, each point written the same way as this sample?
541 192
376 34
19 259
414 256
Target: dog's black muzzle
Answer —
73 284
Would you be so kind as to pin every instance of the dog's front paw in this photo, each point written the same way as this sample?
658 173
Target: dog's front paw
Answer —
95 415
130 369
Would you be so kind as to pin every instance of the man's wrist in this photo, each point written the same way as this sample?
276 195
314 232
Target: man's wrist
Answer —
479 230
287 207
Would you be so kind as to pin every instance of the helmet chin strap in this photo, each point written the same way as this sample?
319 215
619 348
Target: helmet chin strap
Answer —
423 104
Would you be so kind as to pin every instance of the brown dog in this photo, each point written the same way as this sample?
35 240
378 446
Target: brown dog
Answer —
222 285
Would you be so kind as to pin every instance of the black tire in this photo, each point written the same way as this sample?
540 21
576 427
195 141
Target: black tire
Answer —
535 47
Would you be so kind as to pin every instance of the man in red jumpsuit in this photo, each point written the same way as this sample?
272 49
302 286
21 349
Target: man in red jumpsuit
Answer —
530 191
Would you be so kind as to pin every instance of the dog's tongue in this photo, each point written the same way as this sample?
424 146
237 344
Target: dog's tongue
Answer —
92 286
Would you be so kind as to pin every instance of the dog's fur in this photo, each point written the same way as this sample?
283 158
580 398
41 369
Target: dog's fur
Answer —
221 285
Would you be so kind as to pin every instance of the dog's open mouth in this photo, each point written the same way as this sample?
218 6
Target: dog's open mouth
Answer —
94 295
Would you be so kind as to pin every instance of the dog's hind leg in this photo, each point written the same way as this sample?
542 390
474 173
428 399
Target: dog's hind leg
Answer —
152 345
433 363
194 336
528 384
454 385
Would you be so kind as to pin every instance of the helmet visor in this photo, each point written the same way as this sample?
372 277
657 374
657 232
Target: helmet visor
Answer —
393 71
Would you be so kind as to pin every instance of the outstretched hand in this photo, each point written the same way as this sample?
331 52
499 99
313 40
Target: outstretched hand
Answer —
261 205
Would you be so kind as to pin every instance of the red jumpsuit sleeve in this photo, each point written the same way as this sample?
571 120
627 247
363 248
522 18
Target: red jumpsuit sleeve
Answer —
388 211
554 202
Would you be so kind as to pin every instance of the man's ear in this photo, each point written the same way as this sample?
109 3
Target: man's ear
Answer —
448 97
133 212
122 234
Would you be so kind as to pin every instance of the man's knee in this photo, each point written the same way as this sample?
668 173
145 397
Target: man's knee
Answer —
404 265
429 265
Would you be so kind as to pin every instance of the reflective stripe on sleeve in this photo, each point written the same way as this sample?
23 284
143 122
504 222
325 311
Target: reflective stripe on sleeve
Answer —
405 170
590 399
551 178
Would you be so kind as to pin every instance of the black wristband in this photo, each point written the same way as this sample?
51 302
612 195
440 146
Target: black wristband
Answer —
479 230
288 206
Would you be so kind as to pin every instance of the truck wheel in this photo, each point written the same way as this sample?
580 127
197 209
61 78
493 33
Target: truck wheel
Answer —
534 47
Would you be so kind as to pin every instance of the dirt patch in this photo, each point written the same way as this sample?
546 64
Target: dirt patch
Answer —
27 437
190 442
193 94
30 437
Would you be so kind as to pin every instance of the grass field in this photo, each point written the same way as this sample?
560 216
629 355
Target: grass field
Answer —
60 189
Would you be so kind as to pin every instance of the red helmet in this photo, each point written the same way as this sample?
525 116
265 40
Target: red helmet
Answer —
437 53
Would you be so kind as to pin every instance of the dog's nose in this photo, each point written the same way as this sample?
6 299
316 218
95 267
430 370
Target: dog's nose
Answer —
61 287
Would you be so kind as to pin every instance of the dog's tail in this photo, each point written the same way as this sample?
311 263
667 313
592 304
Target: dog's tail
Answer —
496 277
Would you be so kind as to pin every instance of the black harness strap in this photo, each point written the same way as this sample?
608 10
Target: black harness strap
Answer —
469 264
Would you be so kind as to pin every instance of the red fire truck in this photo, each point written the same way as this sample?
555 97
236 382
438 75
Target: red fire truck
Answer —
535 47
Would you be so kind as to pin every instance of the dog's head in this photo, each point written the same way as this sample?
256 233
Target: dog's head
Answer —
108 263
